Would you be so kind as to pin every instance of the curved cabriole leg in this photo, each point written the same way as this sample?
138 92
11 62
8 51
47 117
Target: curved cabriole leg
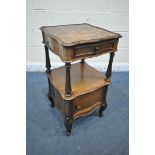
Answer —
51 100
68 124
101 111
50 94
104 103
108 76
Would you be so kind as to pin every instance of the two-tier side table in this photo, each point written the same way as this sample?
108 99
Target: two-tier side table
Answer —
78 89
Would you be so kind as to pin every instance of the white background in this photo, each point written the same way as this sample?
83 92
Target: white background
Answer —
13 78
108 14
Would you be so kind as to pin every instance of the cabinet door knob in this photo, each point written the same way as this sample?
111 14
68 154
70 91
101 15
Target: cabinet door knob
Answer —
77 107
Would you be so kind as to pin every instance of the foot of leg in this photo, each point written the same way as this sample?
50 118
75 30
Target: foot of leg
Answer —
51 100
100 112
102 108
82 61
68 124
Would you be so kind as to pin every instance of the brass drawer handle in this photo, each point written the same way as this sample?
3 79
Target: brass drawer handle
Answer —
97 48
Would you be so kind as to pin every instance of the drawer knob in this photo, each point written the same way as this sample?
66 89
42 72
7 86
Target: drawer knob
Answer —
97 48
47 43
77 107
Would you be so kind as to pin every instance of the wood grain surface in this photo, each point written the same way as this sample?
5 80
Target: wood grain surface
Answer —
69 35
84 79
78 41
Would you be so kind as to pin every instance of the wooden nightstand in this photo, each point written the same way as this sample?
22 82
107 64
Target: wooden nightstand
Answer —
79 89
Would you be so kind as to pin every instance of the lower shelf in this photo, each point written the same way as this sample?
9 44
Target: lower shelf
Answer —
84 79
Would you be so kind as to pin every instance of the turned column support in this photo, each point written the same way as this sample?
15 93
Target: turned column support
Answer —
109 69
48 64
68 88
105 88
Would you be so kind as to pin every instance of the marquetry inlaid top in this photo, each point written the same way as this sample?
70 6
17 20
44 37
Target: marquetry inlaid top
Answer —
69 35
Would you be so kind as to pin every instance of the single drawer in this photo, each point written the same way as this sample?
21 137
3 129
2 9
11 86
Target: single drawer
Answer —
93 49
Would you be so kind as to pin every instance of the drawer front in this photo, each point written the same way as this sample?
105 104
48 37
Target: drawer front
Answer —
86 103
93 49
